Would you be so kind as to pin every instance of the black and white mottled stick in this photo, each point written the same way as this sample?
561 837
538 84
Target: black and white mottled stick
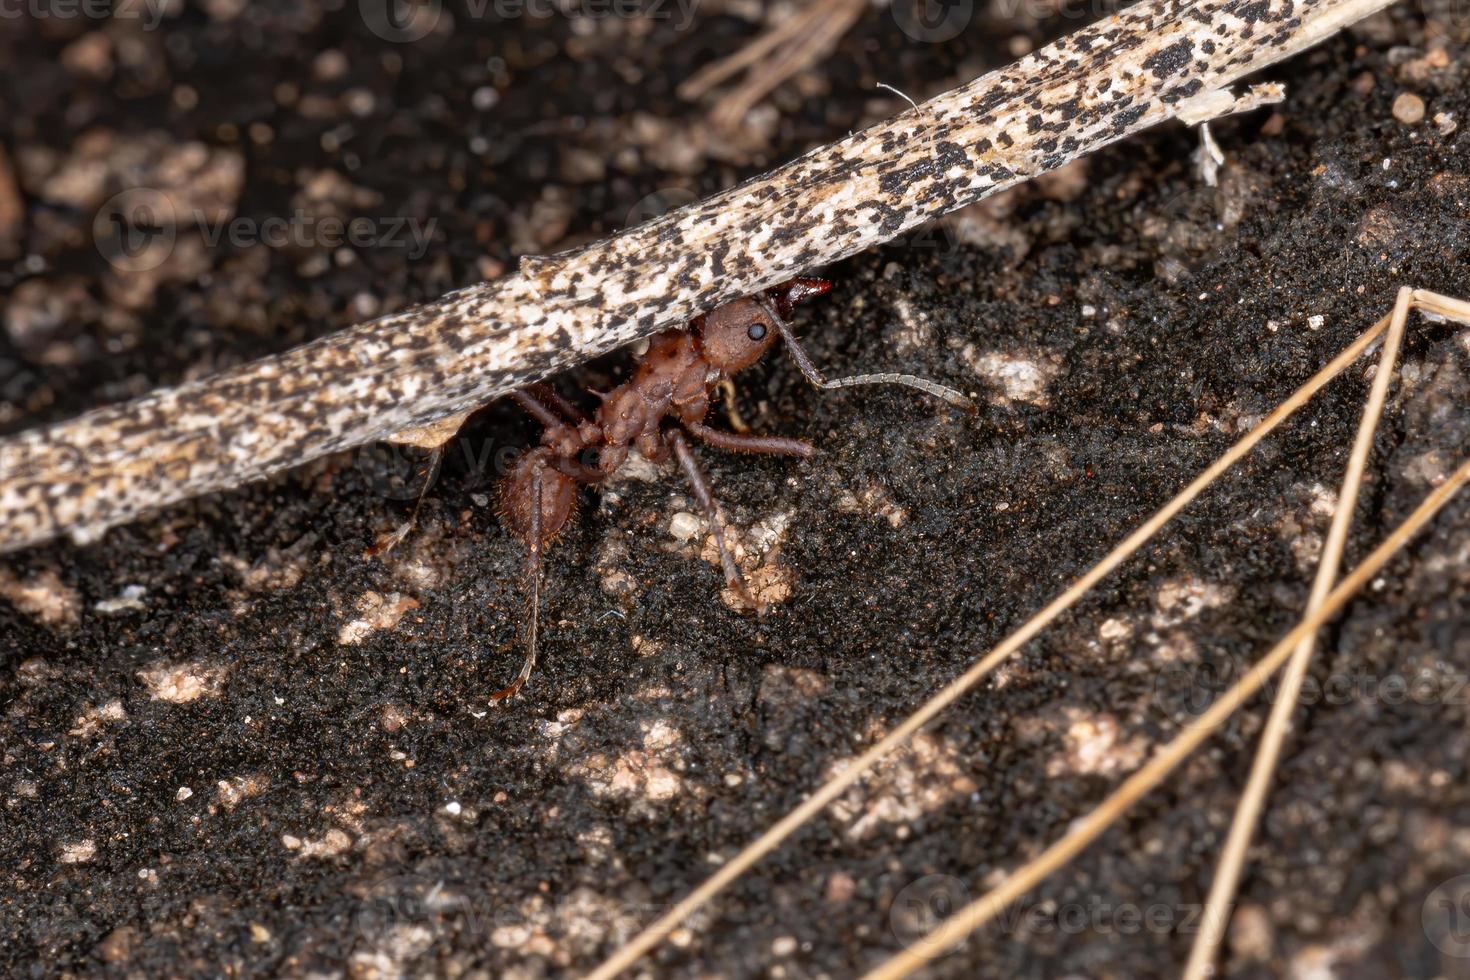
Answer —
1157 60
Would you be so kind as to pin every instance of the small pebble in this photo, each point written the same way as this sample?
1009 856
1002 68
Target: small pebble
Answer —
1408 108
117 945
78 852
683 525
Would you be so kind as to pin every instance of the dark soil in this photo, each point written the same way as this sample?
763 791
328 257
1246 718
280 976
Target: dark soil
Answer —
232 745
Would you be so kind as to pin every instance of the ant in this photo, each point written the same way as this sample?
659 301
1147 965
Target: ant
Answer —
673 380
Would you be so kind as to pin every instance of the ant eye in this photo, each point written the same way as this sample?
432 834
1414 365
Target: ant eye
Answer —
757 332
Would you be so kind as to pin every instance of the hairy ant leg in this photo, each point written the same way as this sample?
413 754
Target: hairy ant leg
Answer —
566 432
736 442
713 513
578 470
387 542
537 409
549 396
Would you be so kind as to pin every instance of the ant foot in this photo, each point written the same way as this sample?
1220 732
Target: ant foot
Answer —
389 540
760 590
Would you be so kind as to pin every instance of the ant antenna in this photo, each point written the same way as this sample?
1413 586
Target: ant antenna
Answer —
533 576
799 355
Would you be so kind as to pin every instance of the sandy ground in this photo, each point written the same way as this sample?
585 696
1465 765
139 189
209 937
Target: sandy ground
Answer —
232 745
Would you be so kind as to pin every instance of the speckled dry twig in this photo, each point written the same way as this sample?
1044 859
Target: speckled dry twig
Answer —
1157 60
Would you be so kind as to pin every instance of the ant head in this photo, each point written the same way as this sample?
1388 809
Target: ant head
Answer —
738 334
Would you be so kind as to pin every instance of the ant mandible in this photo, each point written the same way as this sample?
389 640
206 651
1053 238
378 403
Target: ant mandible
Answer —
655 411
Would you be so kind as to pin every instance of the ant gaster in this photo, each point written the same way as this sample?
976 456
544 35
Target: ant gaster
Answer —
654 411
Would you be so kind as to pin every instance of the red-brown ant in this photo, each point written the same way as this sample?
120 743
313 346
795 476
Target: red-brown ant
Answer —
673 380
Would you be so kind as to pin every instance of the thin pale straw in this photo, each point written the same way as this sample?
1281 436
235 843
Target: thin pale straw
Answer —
1248 810
640 944
1084 831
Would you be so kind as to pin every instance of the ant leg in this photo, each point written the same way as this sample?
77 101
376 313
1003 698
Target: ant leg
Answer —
536 410
389 541
533 577
579 471
431 473
712 513
548 395
799 355
737 443
732 410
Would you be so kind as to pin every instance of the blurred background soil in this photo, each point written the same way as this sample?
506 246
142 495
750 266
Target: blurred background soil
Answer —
230 744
